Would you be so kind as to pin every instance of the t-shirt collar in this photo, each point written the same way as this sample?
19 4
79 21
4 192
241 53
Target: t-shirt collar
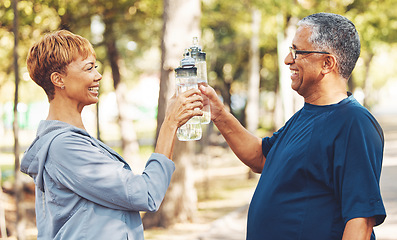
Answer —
342 102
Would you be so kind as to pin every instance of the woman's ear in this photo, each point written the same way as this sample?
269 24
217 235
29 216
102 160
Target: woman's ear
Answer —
330 64
56 79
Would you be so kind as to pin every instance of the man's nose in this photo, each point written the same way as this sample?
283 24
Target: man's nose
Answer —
288 60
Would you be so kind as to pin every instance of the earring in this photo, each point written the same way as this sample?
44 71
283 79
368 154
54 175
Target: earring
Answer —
63 87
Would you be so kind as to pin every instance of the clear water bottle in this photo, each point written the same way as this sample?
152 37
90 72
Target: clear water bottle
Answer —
186 78
202 80
200 62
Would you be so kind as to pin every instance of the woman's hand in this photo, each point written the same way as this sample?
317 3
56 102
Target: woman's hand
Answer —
179 110
183 107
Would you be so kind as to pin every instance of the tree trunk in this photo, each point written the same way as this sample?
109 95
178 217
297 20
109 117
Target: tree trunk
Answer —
252 108
129 141
180 202
20 216
181 24
367 80
288 97
225 93
3 227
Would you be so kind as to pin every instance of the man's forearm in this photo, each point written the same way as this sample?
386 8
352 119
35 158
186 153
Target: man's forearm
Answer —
246 146
359 229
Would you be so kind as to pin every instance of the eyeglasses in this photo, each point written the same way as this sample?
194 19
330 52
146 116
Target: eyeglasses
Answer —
296 52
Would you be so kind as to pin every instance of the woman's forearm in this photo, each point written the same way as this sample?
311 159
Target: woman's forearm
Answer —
166 140
179 110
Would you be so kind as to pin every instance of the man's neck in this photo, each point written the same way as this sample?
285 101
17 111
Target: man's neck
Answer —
328 91
326 98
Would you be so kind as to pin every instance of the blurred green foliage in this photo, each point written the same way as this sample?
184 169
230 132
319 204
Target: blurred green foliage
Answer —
137 28
7 173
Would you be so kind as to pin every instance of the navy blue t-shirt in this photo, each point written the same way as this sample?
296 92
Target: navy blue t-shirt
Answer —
322 169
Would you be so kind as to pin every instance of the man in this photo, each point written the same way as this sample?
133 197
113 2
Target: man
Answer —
320 172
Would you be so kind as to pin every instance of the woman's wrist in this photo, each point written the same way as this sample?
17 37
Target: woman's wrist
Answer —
165 140
170 125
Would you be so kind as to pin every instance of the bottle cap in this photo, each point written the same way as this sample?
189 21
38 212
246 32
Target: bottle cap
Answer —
188 62
195 49
186 71
201 56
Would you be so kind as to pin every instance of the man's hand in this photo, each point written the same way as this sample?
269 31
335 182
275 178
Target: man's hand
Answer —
246 146
216 105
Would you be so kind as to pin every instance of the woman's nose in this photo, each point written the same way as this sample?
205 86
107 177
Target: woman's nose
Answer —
98 77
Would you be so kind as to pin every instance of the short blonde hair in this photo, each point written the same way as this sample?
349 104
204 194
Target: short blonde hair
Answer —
53 53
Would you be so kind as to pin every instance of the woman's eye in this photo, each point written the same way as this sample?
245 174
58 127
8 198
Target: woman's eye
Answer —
92 67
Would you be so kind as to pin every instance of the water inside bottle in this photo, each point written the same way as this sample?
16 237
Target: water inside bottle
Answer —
206 118
189 131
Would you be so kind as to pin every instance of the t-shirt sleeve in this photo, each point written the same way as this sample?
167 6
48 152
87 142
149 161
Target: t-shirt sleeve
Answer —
357 169
267 142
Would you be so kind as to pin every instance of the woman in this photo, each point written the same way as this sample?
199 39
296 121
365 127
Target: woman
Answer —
84 189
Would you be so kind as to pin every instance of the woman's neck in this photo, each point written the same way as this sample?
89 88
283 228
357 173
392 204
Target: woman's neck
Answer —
65 113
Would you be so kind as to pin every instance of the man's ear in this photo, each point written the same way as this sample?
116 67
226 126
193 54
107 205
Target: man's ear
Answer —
56 79
329 64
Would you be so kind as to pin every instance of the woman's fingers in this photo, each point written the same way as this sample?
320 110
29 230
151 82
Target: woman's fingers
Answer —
185 106
192 99
191 92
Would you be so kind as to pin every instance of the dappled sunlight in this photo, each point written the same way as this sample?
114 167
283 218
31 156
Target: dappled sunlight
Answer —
144 55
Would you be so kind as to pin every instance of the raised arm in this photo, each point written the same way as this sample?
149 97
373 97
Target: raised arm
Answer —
179 110
246 146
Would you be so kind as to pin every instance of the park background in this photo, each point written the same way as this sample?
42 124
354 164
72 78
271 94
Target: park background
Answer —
138 44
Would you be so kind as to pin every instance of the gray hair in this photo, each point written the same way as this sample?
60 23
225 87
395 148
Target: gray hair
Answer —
335 34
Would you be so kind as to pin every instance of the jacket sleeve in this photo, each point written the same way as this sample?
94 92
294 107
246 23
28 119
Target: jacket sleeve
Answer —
77 165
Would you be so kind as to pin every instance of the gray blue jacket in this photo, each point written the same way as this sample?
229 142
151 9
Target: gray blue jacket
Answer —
85 190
